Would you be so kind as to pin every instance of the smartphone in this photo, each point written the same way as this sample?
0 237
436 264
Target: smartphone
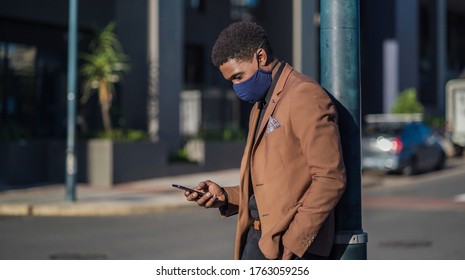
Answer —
188 189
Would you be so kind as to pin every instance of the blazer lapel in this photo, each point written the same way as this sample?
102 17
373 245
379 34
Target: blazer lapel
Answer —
272 103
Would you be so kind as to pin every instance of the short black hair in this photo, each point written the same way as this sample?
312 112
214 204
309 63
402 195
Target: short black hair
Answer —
240 41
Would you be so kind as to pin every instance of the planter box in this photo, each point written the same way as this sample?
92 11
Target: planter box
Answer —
38 162
110 162
104 163
23 162
216 155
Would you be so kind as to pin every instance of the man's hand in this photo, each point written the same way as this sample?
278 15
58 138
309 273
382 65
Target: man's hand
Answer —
214 196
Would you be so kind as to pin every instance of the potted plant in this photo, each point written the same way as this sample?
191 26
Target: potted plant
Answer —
217 149
118 155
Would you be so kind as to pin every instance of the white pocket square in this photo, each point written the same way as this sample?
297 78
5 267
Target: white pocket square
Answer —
272 125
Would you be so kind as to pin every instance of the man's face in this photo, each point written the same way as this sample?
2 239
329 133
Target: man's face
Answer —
238 71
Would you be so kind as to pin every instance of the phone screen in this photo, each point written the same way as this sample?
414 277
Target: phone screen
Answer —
188 189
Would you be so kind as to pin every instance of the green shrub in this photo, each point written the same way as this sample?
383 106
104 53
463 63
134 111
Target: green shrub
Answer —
129 135
180 156
14 133
437 123
407 103
230 133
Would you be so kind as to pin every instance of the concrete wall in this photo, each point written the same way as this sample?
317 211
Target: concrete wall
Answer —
407 34
131 18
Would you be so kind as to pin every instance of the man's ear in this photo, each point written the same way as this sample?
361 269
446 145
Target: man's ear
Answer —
262 57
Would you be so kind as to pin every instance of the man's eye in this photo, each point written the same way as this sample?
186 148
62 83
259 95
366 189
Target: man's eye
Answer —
237 78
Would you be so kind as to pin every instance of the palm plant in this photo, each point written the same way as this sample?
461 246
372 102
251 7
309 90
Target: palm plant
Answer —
103 66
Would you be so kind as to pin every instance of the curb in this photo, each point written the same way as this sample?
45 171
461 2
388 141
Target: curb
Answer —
78 209
115 206
15 210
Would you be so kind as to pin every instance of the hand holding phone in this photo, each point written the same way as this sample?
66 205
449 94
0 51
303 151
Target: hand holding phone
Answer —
211 196
188 189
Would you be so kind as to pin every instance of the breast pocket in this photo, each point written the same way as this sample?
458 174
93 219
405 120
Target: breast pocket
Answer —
272 125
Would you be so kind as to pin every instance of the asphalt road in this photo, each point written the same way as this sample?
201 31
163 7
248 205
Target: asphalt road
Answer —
418 217
188 233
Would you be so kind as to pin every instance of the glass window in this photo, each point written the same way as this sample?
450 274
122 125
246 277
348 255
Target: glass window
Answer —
18 87
194 65
196 5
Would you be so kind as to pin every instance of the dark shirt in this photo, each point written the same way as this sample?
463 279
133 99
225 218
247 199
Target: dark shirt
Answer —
252 201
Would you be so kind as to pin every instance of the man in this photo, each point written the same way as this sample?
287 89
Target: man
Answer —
292 173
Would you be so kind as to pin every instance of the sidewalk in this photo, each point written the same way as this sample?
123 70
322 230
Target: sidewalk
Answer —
137 197
123 199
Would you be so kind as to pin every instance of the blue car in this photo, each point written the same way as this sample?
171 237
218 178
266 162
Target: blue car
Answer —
406 147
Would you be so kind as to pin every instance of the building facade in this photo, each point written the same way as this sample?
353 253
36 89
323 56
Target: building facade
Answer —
414 43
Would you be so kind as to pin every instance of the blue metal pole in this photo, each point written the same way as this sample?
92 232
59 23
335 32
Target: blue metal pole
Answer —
340 76
71 162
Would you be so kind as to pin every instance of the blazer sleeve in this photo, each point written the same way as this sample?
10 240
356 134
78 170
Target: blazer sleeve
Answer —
232 207
314 122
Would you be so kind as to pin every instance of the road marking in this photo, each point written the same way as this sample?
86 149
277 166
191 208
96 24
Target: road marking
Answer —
460 197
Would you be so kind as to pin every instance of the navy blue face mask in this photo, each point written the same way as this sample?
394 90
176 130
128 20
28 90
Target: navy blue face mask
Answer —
255 87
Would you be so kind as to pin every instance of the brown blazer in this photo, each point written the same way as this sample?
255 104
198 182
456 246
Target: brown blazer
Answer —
297 170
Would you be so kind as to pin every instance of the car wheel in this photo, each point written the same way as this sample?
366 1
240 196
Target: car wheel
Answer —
458 150
411 168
